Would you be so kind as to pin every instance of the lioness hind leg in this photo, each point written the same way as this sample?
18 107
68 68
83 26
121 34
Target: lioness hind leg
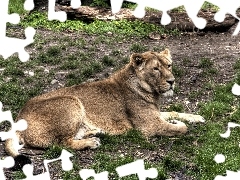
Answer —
183 116
91 143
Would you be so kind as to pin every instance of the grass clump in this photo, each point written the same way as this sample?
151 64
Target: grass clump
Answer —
237 65
208 67
171 164
205 63
100 3
16 6
11 70
131 138
137 48
91 68
178 71
108 61
19 175
176 107
55 151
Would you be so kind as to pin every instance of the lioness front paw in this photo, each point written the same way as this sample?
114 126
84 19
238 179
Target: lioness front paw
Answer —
196 119
181 127
179 123
94 142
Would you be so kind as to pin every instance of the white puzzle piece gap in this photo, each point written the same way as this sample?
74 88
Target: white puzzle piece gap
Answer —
18 126
21 125
9 46
236 89
66 166
220 158
137 167
29 5
7 162
87 173
192 9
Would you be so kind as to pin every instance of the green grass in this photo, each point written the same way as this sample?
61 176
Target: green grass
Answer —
99 3
108 61
176 107
138 48
209 6
205 63
16 6
237 65
208 68
18 175
178 71
121 27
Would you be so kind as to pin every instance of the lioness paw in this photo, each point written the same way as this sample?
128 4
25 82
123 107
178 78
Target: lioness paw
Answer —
195 119
179 123
94 142
180 126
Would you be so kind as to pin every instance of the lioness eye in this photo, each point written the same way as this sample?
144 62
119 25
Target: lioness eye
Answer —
156 69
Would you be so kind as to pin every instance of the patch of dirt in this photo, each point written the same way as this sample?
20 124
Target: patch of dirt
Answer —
187 50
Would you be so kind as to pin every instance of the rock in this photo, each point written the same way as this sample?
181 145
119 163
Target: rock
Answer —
29 73
54 81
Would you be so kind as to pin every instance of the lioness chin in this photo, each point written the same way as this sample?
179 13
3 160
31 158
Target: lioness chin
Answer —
130 98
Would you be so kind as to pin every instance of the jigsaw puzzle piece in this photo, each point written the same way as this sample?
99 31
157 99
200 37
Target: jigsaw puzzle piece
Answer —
66 166
228 132
139 11
192 10
65 160
7 162
116 5
5 115
75 4
13 45
29 5
227 8
87 173
53 15
236 89
60 15
137 167
21 125
230 175
5 17
28 171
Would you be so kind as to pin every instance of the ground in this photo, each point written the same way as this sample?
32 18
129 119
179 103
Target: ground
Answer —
201 61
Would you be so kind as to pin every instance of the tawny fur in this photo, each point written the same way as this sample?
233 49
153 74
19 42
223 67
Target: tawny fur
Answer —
128 99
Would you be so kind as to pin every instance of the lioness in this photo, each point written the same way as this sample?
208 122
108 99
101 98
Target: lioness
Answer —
130 98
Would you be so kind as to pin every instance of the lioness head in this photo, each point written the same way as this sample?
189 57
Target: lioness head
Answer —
154 71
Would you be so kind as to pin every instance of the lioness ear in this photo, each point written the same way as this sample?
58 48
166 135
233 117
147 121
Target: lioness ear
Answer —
166 52
137 59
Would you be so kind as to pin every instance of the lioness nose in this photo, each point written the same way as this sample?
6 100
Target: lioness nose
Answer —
170 81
